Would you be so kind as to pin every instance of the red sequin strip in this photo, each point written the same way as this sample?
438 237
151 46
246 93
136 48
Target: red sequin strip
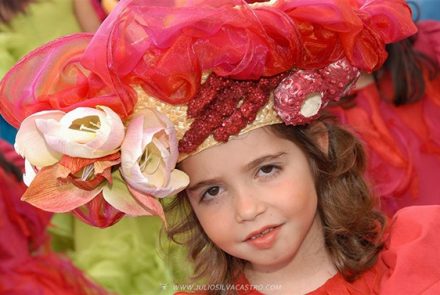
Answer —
223 107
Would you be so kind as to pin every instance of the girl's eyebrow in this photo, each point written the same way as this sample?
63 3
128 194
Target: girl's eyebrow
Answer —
247 167
262 159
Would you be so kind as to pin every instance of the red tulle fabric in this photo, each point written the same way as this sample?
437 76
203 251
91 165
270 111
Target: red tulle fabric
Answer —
408 264
27 265
403 143
166 49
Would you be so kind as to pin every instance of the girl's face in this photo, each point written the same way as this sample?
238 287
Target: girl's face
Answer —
254 197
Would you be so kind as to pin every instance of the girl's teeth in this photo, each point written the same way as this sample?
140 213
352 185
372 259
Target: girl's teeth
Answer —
262 233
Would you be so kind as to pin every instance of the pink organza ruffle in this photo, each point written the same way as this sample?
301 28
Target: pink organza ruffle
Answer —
51 77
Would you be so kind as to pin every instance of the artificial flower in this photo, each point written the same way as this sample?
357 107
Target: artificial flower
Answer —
69 184
311 106
84 132
149 155
30 143
75 182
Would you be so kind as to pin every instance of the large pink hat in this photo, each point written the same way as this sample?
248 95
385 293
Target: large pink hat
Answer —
104 118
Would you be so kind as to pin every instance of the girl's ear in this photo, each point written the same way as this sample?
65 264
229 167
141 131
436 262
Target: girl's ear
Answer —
319 133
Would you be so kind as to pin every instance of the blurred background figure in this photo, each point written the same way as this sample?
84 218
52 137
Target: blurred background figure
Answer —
91 13
396 111
27 263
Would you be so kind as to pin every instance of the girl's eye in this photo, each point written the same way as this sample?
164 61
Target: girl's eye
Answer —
211 192
268 170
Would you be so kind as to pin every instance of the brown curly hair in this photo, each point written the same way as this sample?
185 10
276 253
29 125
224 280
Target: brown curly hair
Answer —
353 228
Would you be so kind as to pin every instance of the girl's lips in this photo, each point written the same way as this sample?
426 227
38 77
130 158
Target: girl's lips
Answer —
264 238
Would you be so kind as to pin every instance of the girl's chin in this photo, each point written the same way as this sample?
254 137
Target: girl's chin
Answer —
269 263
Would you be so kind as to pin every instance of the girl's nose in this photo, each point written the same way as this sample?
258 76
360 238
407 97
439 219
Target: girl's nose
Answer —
247 205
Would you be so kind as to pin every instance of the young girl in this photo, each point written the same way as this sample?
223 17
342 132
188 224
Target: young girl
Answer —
277 206
285 210
272 195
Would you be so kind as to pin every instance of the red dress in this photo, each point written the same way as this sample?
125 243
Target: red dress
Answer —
409 263
403 143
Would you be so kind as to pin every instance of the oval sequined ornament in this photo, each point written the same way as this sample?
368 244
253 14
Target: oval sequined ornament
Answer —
299 97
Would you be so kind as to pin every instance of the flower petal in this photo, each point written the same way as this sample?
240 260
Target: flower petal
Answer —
170 161
111 133
132 149
155 180
38 153
76 164
150 203
29 173
49 193
179 180
98 213
118 195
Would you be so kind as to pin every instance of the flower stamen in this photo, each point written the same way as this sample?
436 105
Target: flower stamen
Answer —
88 124
87 172
149 162
85 128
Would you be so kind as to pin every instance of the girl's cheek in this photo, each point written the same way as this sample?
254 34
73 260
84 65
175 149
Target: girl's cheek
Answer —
213 209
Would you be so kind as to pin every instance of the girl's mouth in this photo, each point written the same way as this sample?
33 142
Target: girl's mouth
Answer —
264 238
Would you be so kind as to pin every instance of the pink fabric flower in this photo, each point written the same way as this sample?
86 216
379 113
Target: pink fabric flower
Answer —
74 183
84 132
70 183
149 155
72 162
